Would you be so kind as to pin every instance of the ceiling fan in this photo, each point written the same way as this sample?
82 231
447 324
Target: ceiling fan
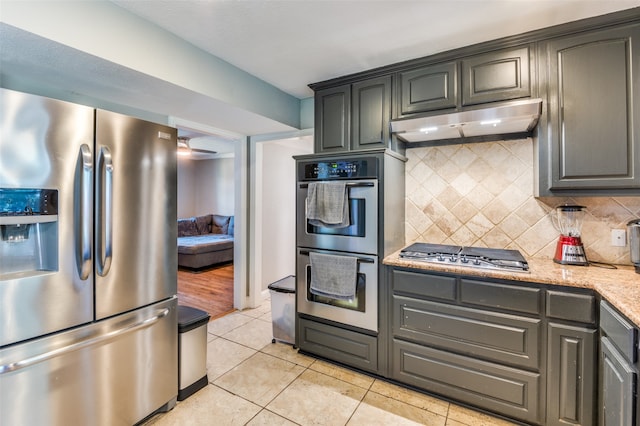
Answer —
185 149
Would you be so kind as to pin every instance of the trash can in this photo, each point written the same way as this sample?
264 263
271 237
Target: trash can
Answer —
283 309
192 350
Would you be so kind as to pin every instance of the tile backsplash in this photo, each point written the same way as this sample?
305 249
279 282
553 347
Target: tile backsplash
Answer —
481 194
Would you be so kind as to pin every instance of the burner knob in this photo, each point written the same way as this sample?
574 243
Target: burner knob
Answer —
464 259
476 261
440 258
452 258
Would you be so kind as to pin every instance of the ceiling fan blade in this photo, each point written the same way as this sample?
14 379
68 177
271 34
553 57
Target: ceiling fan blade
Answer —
204 151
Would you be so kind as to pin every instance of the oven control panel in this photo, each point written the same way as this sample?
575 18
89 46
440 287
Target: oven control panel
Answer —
338 169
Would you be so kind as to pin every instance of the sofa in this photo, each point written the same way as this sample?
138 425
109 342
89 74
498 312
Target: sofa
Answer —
205 241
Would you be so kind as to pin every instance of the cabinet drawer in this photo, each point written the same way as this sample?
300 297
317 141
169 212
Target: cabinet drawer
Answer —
619 331
490 335
345 346
509 391
426 285
512 297
571 306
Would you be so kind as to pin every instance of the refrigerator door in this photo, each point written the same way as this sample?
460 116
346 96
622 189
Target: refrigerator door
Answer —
135 236
46 283
113 372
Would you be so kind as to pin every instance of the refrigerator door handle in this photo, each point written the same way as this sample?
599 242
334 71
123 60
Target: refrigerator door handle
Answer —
104 209
80 344
83 232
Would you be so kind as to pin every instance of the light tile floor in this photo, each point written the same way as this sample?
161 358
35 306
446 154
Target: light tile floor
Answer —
255 382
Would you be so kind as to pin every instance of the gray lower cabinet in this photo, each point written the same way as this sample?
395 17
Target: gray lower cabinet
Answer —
571 387
522 350
618 369
338 344
475 341
353 117
510 391
589 138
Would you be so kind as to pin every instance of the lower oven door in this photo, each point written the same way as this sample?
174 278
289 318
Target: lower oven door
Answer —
362 311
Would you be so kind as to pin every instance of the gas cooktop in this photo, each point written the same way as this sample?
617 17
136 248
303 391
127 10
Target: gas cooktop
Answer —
472 257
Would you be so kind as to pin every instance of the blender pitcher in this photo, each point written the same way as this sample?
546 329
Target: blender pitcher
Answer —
569 250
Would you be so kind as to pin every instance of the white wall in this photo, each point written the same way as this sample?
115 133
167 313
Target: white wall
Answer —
215 186
186 183
205 187
278 221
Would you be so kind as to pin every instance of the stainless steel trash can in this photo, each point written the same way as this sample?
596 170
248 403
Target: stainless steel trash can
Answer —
283 309
192 350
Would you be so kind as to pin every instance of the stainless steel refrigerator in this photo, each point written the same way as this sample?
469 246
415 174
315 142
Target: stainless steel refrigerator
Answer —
88 264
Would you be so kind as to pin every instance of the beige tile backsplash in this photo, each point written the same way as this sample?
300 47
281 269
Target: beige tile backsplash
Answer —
482 194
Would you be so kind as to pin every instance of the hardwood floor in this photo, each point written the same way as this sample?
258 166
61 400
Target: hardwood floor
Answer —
210 290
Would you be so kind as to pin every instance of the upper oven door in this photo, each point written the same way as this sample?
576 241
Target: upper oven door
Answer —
361 236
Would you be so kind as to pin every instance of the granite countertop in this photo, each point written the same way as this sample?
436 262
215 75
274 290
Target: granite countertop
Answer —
620 287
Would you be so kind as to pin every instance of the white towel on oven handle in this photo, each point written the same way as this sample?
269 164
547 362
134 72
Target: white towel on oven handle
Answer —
333 276
327 204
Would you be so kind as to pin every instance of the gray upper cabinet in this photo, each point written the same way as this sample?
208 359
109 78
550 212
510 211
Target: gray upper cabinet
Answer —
353 117
428 88
496 76
591 140
333 119
370 114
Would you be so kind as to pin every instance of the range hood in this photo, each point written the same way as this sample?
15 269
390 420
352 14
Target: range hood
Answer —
505 118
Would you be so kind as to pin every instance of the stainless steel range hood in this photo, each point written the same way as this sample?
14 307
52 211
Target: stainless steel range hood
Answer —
505 118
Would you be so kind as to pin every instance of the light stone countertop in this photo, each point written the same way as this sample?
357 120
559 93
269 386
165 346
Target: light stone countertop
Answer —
620 287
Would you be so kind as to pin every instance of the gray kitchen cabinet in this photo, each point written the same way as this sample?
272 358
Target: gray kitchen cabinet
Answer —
571 386
589 138
333 119
428 88
571 357
522 350
476 341
353 117
496 76
618 369
339 344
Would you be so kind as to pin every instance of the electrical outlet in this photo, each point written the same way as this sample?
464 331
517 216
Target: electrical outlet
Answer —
618 237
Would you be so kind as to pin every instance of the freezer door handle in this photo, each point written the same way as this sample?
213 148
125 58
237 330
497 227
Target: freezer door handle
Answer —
84 212
83 343
104 207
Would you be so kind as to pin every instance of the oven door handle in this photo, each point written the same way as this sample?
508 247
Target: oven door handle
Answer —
349 185
360 259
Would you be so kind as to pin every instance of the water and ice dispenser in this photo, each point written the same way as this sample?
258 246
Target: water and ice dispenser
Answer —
28 232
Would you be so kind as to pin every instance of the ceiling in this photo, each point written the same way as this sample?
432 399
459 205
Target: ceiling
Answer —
291 43
286 43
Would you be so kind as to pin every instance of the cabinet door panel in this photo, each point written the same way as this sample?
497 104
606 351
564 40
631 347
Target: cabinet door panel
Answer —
371 105
496 76
332 118
351 348
593 120
618 385
571 386
489 335
429 88
505 390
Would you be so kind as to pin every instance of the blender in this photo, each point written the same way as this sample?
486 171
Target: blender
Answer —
570 250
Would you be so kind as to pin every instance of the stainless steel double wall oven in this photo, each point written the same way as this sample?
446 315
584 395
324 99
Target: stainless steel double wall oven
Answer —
375 186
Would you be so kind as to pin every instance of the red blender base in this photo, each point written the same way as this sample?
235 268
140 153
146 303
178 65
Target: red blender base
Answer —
570 251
